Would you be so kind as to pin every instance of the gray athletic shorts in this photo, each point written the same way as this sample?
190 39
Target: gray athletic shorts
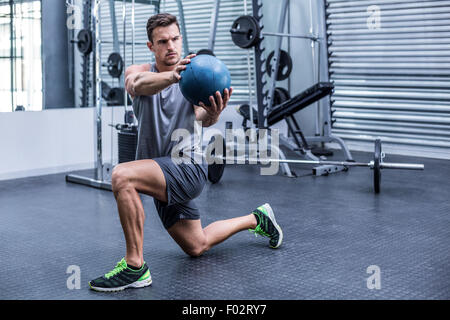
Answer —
184 183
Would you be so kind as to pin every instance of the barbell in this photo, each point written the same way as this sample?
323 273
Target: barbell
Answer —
245 33
215 170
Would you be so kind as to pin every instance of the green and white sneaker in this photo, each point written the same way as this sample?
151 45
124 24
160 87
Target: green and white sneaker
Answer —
267 225
122 277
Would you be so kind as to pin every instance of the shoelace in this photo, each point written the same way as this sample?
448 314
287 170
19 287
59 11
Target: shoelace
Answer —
121 265
260 231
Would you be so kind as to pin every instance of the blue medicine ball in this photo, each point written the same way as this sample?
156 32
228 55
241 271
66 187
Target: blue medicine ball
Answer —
203 76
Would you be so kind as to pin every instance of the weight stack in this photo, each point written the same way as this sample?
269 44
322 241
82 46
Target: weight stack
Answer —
127 144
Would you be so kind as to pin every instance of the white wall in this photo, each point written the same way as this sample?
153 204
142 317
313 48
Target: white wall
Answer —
52 141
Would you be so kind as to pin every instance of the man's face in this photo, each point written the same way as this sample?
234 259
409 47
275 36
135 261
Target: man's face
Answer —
167 44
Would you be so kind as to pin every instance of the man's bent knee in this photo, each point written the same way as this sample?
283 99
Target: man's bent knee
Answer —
120 178
197 250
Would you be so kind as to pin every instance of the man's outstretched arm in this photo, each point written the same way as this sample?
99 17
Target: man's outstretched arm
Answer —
141 82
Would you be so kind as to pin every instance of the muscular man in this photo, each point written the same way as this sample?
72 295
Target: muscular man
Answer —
160 109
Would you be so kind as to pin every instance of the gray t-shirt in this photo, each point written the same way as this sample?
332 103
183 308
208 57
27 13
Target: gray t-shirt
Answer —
159 116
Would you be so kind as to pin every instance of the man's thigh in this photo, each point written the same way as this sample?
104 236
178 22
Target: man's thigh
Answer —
185 181
146 177
170 214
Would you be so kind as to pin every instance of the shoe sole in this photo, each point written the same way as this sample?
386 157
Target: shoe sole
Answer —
274 221
137 284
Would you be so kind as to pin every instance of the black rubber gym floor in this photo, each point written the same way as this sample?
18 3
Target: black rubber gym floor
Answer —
335 227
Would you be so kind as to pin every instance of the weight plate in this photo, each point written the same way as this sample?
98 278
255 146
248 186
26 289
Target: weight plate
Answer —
215 170
205 51
280 95
244 111
127 144
84 42
284 67
245 32
105 90
115 65
115 96
377 166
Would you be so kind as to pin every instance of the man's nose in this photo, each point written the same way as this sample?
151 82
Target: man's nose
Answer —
170 45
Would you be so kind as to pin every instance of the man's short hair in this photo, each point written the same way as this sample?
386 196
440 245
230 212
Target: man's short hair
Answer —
160 20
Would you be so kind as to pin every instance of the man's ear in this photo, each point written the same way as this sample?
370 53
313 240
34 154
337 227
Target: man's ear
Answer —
150 46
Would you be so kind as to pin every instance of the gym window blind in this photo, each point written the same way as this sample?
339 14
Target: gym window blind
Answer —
390 63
